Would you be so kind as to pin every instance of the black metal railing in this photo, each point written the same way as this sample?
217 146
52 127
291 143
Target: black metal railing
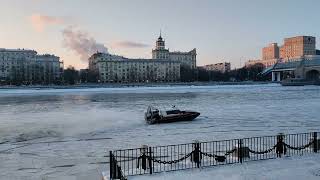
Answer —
148 160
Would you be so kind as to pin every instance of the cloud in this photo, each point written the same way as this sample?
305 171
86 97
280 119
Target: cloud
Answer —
40 22
76 40
81 43
129 44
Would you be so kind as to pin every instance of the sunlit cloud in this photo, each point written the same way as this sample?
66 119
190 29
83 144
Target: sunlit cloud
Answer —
40 22
78 41
129 44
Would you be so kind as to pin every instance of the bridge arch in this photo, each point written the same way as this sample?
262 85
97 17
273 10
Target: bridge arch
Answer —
313 75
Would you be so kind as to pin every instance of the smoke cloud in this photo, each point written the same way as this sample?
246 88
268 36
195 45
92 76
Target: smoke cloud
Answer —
40 22
78 41
81 43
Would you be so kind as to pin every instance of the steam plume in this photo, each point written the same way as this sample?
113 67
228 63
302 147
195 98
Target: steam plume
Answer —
81 43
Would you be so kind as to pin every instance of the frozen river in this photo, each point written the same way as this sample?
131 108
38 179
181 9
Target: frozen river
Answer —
66 133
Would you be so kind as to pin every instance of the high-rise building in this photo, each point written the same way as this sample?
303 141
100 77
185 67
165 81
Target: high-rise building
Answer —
292 50
26 66
298 46
270 52
188 59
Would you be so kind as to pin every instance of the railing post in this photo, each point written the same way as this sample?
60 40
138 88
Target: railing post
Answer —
115 174
110 163
280 146
196 155
144 157
240 143
315 142
114 168
150 160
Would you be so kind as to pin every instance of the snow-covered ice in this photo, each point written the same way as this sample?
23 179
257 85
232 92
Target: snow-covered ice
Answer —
66 133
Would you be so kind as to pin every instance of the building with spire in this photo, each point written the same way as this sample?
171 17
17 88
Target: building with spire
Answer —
188 59
163 67
160 51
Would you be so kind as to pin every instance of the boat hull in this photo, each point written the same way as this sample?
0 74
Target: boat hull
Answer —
185 116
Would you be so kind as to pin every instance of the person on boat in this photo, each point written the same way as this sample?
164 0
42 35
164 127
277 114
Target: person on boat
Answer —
156 114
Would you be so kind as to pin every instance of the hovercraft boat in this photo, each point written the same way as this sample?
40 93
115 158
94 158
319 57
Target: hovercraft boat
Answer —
155 116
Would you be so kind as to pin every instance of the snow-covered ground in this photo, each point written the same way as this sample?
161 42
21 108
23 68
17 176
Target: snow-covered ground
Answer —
66 133
291 168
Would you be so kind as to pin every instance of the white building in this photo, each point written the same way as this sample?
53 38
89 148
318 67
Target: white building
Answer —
163 67
26 66
219 67
113 68
185 58
266 63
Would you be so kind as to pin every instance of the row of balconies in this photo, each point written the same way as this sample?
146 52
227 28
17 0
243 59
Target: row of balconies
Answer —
141 79
138 74
139 69
138 63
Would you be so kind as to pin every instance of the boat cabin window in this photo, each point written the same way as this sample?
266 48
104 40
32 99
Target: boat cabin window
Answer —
173 112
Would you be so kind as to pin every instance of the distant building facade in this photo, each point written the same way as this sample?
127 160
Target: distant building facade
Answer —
270 52
188 59
219 67
270 56
292 50
26 66
84 75
298 46
163 67
113 68
266 63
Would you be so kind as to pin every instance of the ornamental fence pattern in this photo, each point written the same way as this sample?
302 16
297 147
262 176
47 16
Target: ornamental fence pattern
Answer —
148 160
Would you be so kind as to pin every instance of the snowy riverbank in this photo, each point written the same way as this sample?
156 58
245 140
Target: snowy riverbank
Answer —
293 168
125 85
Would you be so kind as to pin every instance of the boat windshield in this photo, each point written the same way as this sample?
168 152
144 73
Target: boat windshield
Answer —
152 110
175 111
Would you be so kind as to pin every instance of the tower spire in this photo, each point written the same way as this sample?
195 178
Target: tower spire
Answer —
160 32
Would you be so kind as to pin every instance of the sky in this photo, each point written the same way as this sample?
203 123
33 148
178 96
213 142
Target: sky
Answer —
221 30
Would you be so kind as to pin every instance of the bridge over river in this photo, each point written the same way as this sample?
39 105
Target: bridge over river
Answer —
307 68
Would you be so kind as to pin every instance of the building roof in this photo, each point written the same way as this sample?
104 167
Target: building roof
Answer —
116 58
17 50
193 51
141 60
100 54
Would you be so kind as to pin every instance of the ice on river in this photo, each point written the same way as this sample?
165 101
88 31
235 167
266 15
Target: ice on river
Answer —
66 133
